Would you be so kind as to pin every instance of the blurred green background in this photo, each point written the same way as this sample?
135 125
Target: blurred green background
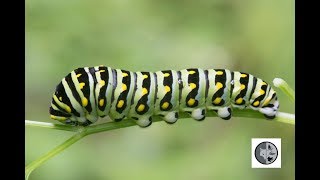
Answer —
254 36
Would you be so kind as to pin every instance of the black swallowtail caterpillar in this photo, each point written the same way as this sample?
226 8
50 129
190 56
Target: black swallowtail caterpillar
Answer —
88 93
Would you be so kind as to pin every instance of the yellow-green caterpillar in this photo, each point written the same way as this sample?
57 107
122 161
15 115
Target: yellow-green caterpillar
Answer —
88 93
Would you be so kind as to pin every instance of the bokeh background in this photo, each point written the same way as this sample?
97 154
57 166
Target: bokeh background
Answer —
254 36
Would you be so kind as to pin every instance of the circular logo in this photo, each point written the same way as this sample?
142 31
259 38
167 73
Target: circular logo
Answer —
266 152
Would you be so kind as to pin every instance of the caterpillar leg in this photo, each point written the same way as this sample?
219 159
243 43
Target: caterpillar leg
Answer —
72 123
143 121
117 119
86 123
224 113
270 110
198 114
171 117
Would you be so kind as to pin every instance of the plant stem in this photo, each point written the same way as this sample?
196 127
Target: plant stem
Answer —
84 131
33 165
283 86
50 125
285 118
281 117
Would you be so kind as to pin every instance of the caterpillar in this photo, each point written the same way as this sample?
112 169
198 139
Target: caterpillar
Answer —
88 93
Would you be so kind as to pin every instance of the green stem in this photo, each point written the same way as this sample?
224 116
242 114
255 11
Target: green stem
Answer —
33 165
84 131
50 125
281 117
285 118
283 86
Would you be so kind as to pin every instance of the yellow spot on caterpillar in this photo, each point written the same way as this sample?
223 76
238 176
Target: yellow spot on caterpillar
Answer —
84 102
242 86
219 73
217 100
102 70
166 74
263 83
243 75
120 104
256 103
191 72
266 101
81 85
145 76
78 75
219 85
192 85
167 88
101 102
102 83
59 118
261 91
62 119
60 98
141 107
191 101
68 109
124 74
239 100
124 87
144 91
165 105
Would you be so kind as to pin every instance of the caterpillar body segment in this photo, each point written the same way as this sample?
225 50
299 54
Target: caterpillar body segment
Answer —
88 93
167 95
124 85
142 106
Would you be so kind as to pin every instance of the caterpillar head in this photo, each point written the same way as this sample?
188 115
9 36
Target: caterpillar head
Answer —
62 110
270 105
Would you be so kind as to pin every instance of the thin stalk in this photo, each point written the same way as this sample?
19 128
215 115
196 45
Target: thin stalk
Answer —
285 118
283 86
84 131
280 117
33 165
50 125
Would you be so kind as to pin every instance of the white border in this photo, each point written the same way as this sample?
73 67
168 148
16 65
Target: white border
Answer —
255 163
